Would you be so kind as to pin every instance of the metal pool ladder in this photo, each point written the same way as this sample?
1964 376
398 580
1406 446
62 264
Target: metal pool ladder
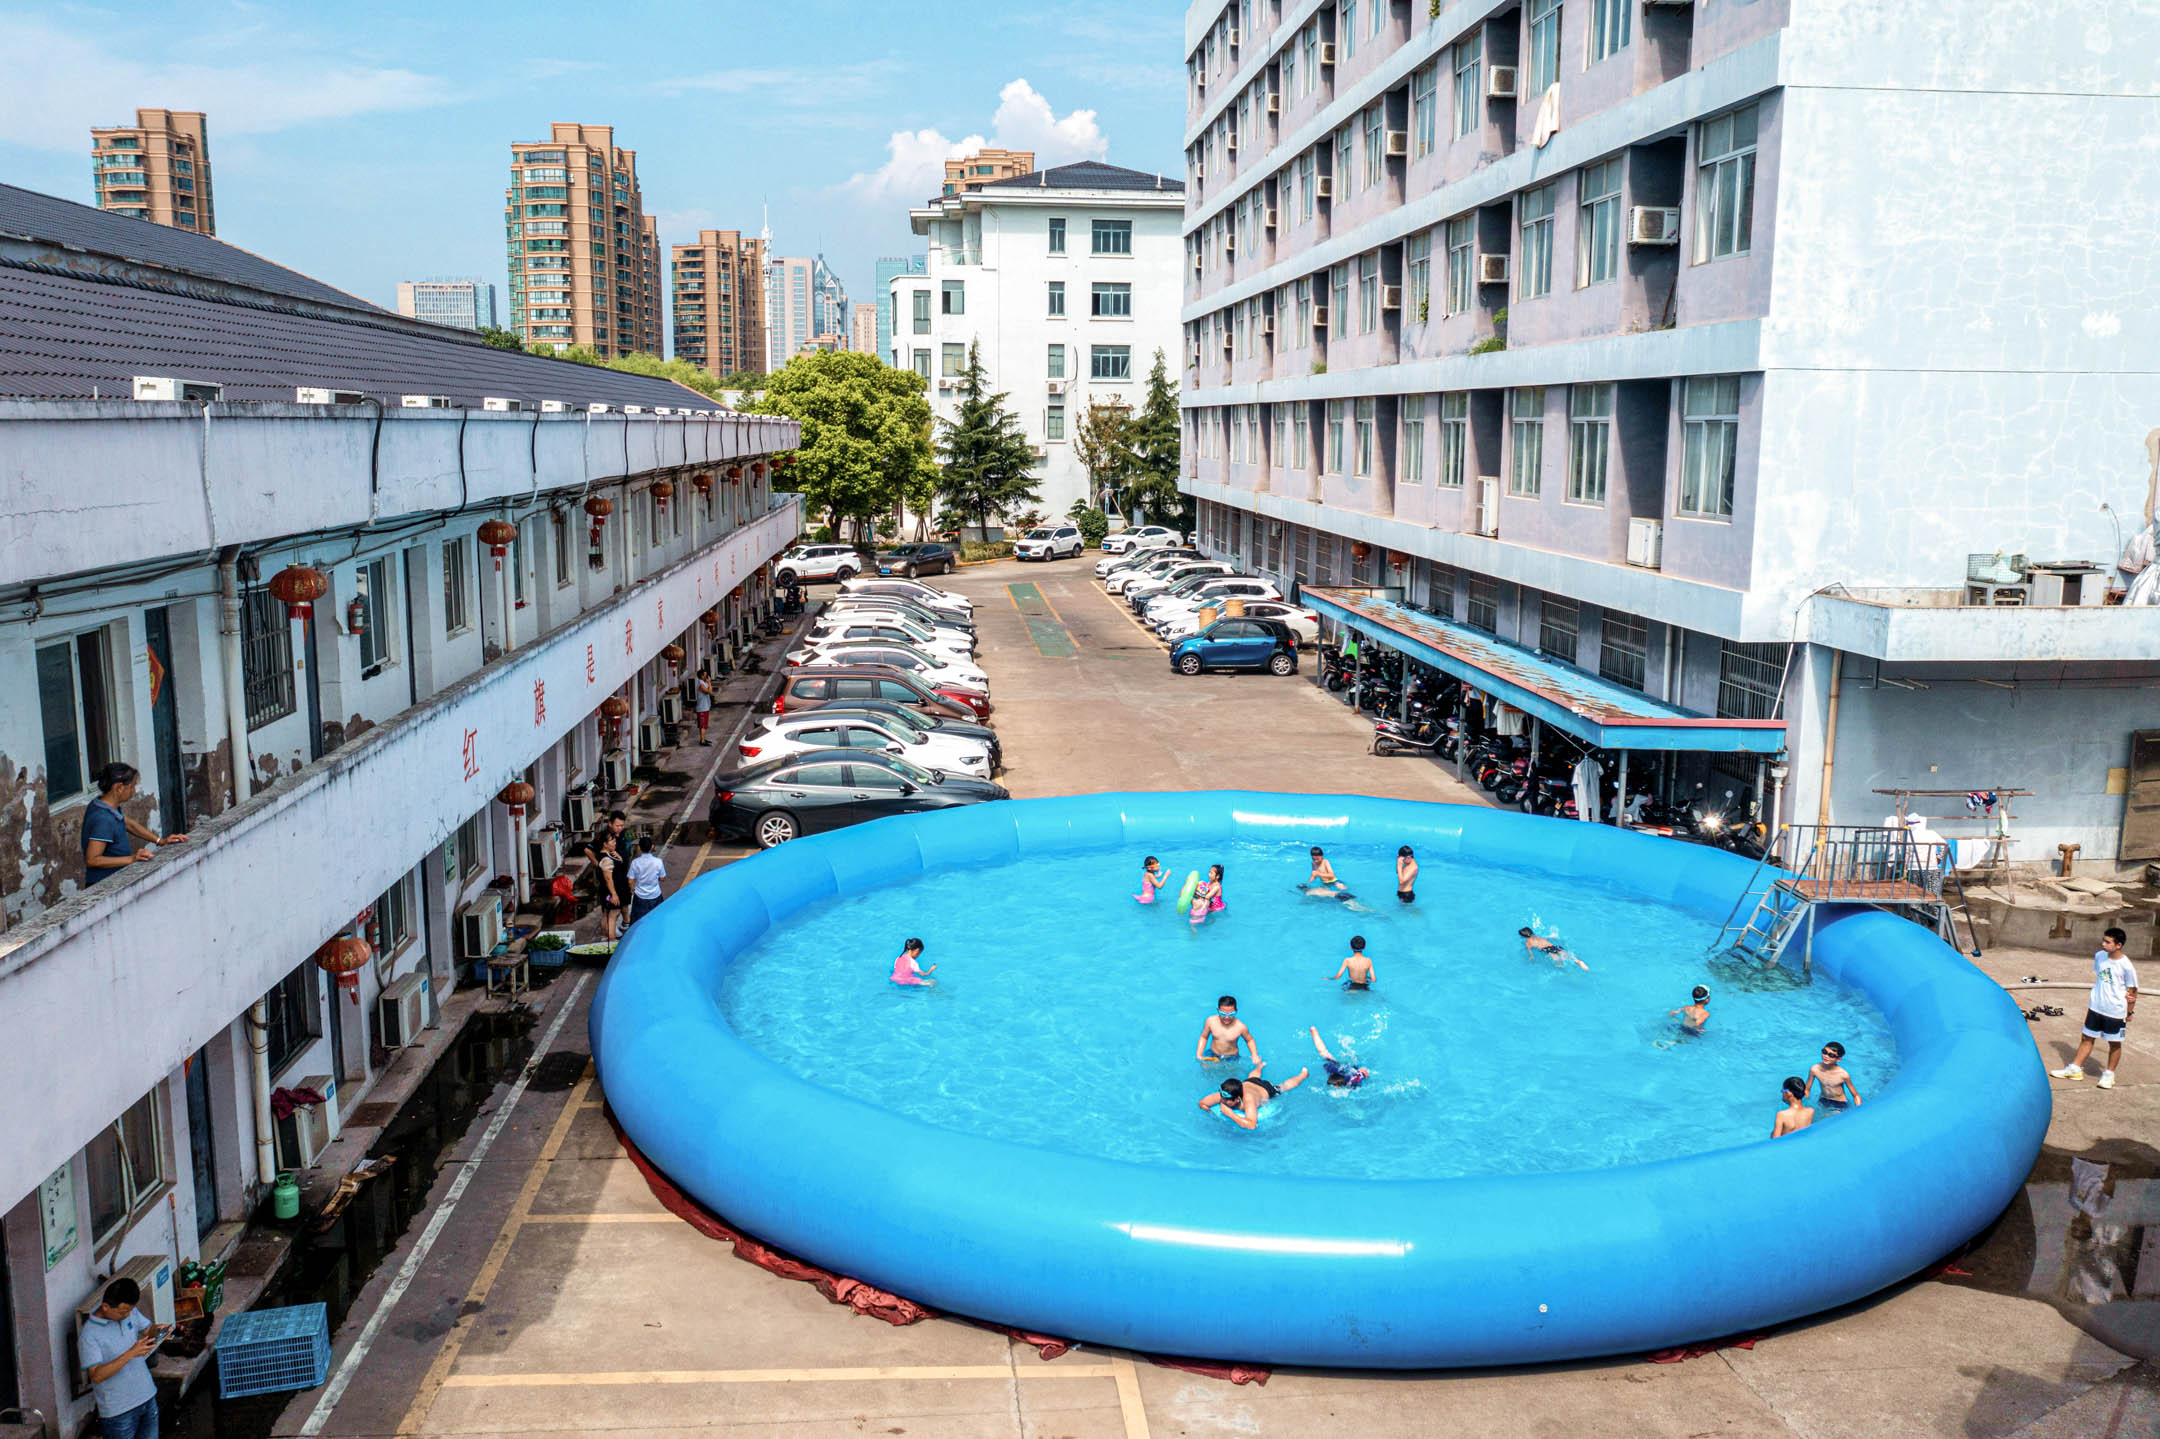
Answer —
1856 865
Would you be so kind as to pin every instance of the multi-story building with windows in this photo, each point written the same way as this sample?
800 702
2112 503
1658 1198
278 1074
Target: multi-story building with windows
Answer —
1690 366
787 308
157 169
863 328
720 302
337 774
974 171
1068 280
460 304
830 312
889 269
584 257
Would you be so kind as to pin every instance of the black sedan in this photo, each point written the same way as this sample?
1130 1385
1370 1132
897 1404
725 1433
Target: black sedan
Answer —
830 789
909 561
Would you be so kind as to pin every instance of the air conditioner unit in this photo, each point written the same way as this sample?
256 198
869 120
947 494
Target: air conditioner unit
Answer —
1327 52
615 770
648 734
1267 324
1234 32
1200 83
153 1275
1486 520
316 395
1500 83
596 409
1229 244
671 708
428 402
1654 225
1319 317
665 410
1057 387
582 811
303 1135
500 405
554 407
1398 142
1198 263
1325 188
1268 217
633 409
1274 104
401 1012
479 926
543 854
1229 341
1492 269
1199 173
1229 143
165 387
1391 297
1645 543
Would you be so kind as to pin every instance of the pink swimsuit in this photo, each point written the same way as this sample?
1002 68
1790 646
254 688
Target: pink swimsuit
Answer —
906 971
1148 885
1204 903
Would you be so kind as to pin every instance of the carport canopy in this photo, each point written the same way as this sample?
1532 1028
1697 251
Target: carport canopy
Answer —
1596 711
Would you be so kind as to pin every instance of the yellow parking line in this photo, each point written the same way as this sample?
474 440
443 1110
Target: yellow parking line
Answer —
867 1374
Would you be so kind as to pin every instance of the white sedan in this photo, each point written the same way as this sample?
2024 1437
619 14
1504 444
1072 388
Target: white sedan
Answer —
916 590
1303 623
1139 592
1216 593
1147 537
869 625
785 735
937 668
1148 569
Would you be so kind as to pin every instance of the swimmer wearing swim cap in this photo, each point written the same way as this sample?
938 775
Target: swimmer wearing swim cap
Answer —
1341 1073
1538 944
1695 1015
1241 1100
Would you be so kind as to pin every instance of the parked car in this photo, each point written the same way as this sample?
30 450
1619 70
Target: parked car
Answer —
813 686
1140 591
904 608
1050 542
922 594
1145 538
922 721
1303 623
1148 568
810 563
1217 592
829 789
786 735
929 558
1239 642
1109 565
935 667
858 625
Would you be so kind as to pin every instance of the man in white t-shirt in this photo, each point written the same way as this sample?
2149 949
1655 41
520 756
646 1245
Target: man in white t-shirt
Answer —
2108 1011
646 872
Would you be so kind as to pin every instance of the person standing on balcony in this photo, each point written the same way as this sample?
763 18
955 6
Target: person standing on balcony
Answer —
108 835
646 872
702 704
115 1343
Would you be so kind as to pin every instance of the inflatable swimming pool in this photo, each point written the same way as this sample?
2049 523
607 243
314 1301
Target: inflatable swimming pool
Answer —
1478 1269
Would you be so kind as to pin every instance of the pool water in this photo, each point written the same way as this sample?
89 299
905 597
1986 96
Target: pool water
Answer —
1066 1015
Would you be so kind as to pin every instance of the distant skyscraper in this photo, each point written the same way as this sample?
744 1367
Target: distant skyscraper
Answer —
889 269
583 252
156 169
984 166
787 308
862 335
830 312
463 304
719 296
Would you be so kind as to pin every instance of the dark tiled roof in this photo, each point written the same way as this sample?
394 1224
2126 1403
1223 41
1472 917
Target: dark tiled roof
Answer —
85 227
1089 175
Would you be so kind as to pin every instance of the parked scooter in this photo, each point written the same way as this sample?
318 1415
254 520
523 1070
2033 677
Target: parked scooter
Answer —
1422 731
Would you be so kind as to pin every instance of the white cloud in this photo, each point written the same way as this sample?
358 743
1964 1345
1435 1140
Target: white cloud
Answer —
914 166
785 86
55 84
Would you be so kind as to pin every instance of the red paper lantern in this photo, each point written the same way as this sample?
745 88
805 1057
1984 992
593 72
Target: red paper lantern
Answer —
299 587
703 483
517 794
599 508
711 620
663 491
1360 551
343 958
673 654
498 536
613 710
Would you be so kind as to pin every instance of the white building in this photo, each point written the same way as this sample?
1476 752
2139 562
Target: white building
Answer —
337 775
1067 278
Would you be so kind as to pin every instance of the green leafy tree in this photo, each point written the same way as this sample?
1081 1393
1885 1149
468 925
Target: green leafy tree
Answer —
744 380
989 463
1153 486
1093 523
1104 443
865 435
502 339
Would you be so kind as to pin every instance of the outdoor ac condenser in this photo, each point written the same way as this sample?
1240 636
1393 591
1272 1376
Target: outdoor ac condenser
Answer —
584 811
480 927
544 854
615 770
1645 543
649 739
671 708
304 1134
1487 519
401 1012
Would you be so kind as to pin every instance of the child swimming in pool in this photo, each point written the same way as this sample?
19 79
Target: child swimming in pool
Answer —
1219 1037
1795 1116
1341 1073
1152 878
1837 1087
1241 1100
1207 896
908 970
1405 875
1322 883
1537 944
1356 966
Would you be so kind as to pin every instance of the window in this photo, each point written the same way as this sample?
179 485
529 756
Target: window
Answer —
1623 650
1559 621
1725 186
1608 27
1454 440
1461 264
1364 413
1710 426
1289 70
1526 461
921 299
1424 110
456 611
375 603
1312 57
1301 437
1110 302
1304 308
1056 309
75 702
1589 442
466 853
1597 224
1469 52
1749 678
1375 147
266 664
1368 292
1544 47
1054 421
952 297
1346 28
1279 451
294 1015
1534 213
1112 237
1335 465
125 1165
1339 315
393 918
1482 609
1057 235
1054 362
1345 155
1110 362
559 543
1417 261
1412 468
920 361
1308 165
953 361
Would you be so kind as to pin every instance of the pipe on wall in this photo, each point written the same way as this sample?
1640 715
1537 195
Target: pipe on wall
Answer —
236 730
258 1035
1829 743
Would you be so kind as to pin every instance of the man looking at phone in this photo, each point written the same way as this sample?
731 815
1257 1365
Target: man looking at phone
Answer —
116 1344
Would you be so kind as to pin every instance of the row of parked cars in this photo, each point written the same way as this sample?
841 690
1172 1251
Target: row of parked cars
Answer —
1171 587
881 710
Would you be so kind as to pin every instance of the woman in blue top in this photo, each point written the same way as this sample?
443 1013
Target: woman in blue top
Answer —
108 836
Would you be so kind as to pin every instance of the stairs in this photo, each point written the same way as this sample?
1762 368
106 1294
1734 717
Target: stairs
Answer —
1849 865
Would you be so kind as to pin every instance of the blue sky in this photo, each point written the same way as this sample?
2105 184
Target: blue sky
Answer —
368 144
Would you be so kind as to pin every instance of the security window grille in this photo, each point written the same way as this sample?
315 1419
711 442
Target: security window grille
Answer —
1057 236
1482 611
1725 185
1440 592
1544 45
1111 237
1425 109
1469 56
294 1015
1535 215
1110 362
1710 426
1749 678
266 662
1454 440
1526 459
1559 625
456 608
1597 224
1623 650
1056 305
1110 302
1609 21
1413 440
1364 419
125 1165
1461 264
376 610
1589 442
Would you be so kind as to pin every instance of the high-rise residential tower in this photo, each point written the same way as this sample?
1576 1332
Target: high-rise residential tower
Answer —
787 308
862 335
462 304
974 171
156 169
719 298
583 253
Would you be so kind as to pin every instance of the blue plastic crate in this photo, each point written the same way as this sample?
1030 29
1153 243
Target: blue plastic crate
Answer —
268 1351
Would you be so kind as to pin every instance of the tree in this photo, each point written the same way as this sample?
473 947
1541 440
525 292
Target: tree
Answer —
865 434
502 339
682 372
1155 442
1104 443
989 464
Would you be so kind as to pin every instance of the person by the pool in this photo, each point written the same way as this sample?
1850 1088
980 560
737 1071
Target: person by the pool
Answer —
1152 878
1241 1100
1838 1090
1537 944
1219 1037
1207 895
1341 1073
1356 970
1405 874
1795 1116
1694 1014
1322 883
908 969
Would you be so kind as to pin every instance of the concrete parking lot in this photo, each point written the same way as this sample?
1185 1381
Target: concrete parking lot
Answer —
559 1297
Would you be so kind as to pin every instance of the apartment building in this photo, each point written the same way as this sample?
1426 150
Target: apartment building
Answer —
719 296
460 304
352 577
157 169
584 255
979 169
889 268
863 328
830 312
787 308
1699 374
1068 280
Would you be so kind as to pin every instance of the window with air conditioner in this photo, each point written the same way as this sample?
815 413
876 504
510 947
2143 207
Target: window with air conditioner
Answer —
1526 441
1710 443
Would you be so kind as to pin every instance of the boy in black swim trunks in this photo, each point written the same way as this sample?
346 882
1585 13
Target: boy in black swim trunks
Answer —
1356 966
1241 1100
1341 1073
1838 1091
1405 875
1539 946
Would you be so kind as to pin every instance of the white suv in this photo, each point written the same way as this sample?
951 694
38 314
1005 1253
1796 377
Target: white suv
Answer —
818 562
1147 537
1050 542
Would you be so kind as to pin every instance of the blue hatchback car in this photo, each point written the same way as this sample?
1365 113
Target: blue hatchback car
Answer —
1236 642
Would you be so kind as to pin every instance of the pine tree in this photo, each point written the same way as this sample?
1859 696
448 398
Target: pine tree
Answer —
989 463
1153 482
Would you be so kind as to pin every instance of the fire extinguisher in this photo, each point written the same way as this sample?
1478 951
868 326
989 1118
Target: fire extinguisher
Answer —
356 617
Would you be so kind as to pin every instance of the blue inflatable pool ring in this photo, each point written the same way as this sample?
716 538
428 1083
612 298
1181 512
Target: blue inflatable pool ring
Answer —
1475 1270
